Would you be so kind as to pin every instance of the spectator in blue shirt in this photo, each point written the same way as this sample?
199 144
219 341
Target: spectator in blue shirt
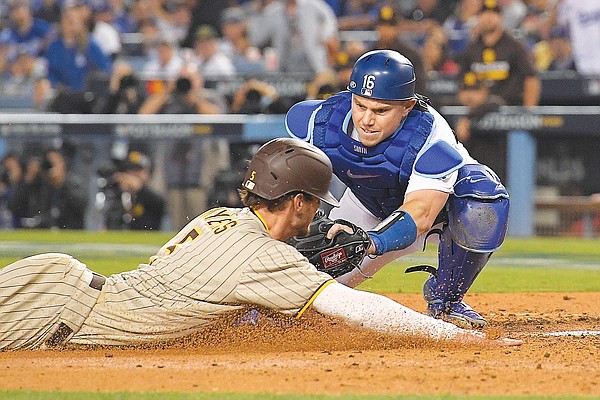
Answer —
123 18
24 34
459 25
74 55
361 14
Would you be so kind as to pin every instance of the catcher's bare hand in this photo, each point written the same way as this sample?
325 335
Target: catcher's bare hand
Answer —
336 228
335 247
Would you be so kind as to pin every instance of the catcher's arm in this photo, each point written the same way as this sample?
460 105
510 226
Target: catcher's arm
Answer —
415 217
396 232
381 314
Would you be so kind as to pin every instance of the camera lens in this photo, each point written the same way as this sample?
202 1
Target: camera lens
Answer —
183 85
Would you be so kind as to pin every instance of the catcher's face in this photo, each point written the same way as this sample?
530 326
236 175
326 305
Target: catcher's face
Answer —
377 120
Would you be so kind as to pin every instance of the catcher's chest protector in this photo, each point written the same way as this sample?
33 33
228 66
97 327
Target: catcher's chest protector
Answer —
377 175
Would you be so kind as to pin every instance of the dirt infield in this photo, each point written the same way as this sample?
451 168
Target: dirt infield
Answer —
321 356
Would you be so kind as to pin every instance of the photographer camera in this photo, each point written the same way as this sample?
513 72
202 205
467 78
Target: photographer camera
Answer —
50 196
258 97
126 94
183 100
185 95
128 201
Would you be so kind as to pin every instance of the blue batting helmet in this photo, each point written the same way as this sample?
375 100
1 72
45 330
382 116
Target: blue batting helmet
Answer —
383 75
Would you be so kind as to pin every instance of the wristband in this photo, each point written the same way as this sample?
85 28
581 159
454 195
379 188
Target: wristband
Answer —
396 232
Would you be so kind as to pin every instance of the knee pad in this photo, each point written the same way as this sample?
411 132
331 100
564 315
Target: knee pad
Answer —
478 209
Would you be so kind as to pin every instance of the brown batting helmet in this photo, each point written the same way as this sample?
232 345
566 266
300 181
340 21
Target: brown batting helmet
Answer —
286 165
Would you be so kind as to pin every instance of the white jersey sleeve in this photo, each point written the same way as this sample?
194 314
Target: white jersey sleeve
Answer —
441 131
379 313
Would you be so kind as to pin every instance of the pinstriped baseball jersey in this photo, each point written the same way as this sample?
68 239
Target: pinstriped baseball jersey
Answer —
222 260
39 294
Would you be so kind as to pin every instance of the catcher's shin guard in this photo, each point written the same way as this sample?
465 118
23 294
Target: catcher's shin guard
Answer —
458 269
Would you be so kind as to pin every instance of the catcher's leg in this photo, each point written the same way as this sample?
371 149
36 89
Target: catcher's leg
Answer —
477 222
458 268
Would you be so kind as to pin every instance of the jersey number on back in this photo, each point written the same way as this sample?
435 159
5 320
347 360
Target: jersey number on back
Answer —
219 220
193 234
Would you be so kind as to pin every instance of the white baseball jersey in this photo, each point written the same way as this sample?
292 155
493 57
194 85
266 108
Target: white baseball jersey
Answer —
583 19
351 209
43 295
223 260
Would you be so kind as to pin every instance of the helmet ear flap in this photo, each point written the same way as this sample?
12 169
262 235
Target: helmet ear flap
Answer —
383 75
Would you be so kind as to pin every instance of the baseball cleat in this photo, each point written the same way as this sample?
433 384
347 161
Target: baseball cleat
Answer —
458 313
435 309
461 314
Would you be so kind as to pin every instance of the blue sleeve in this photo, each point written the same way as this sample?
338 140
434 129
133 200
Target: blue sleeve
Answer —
43 27
53 60
299 120
438 159
98 57
5 37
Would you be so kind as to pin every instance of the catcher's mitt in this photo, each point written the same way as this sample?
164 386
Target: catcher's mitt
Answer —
335 256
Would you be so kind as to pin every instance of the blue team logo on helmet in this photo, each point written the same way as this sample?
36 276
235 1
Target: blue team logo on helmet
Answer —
383 75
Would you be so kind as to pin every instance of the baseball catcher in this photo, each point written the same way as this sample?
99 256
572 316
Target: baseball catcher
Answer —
402 169
338 255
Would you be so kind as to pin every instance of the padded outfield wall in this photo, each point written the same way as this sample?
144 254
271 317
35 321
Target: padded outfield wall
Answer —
545 156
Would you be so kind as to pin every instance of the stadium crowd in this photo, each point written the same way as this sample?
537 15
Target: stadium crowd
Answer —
167 55
219 57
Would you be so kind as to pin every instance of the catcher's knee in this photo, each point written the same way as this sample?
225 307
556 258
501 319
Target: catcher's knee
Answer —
478 210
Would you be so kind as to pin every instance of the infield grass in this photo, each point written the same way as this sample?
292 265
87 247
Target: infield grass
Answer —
522 265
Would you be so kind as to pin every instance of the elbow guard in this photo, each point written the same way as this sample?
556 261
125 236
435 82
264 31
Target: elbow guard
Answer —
396 232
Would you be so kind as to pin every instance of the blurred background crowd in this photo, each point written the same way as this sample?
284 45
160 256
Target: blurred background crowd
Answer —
167 56
221 57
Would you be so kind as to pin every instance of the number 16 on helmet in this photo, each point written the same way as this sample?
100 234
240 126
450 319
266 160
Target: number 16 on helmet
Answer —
383 75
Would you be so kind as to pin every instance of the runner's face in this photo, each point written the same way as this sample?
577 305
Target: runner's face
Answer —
306 215
376 120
